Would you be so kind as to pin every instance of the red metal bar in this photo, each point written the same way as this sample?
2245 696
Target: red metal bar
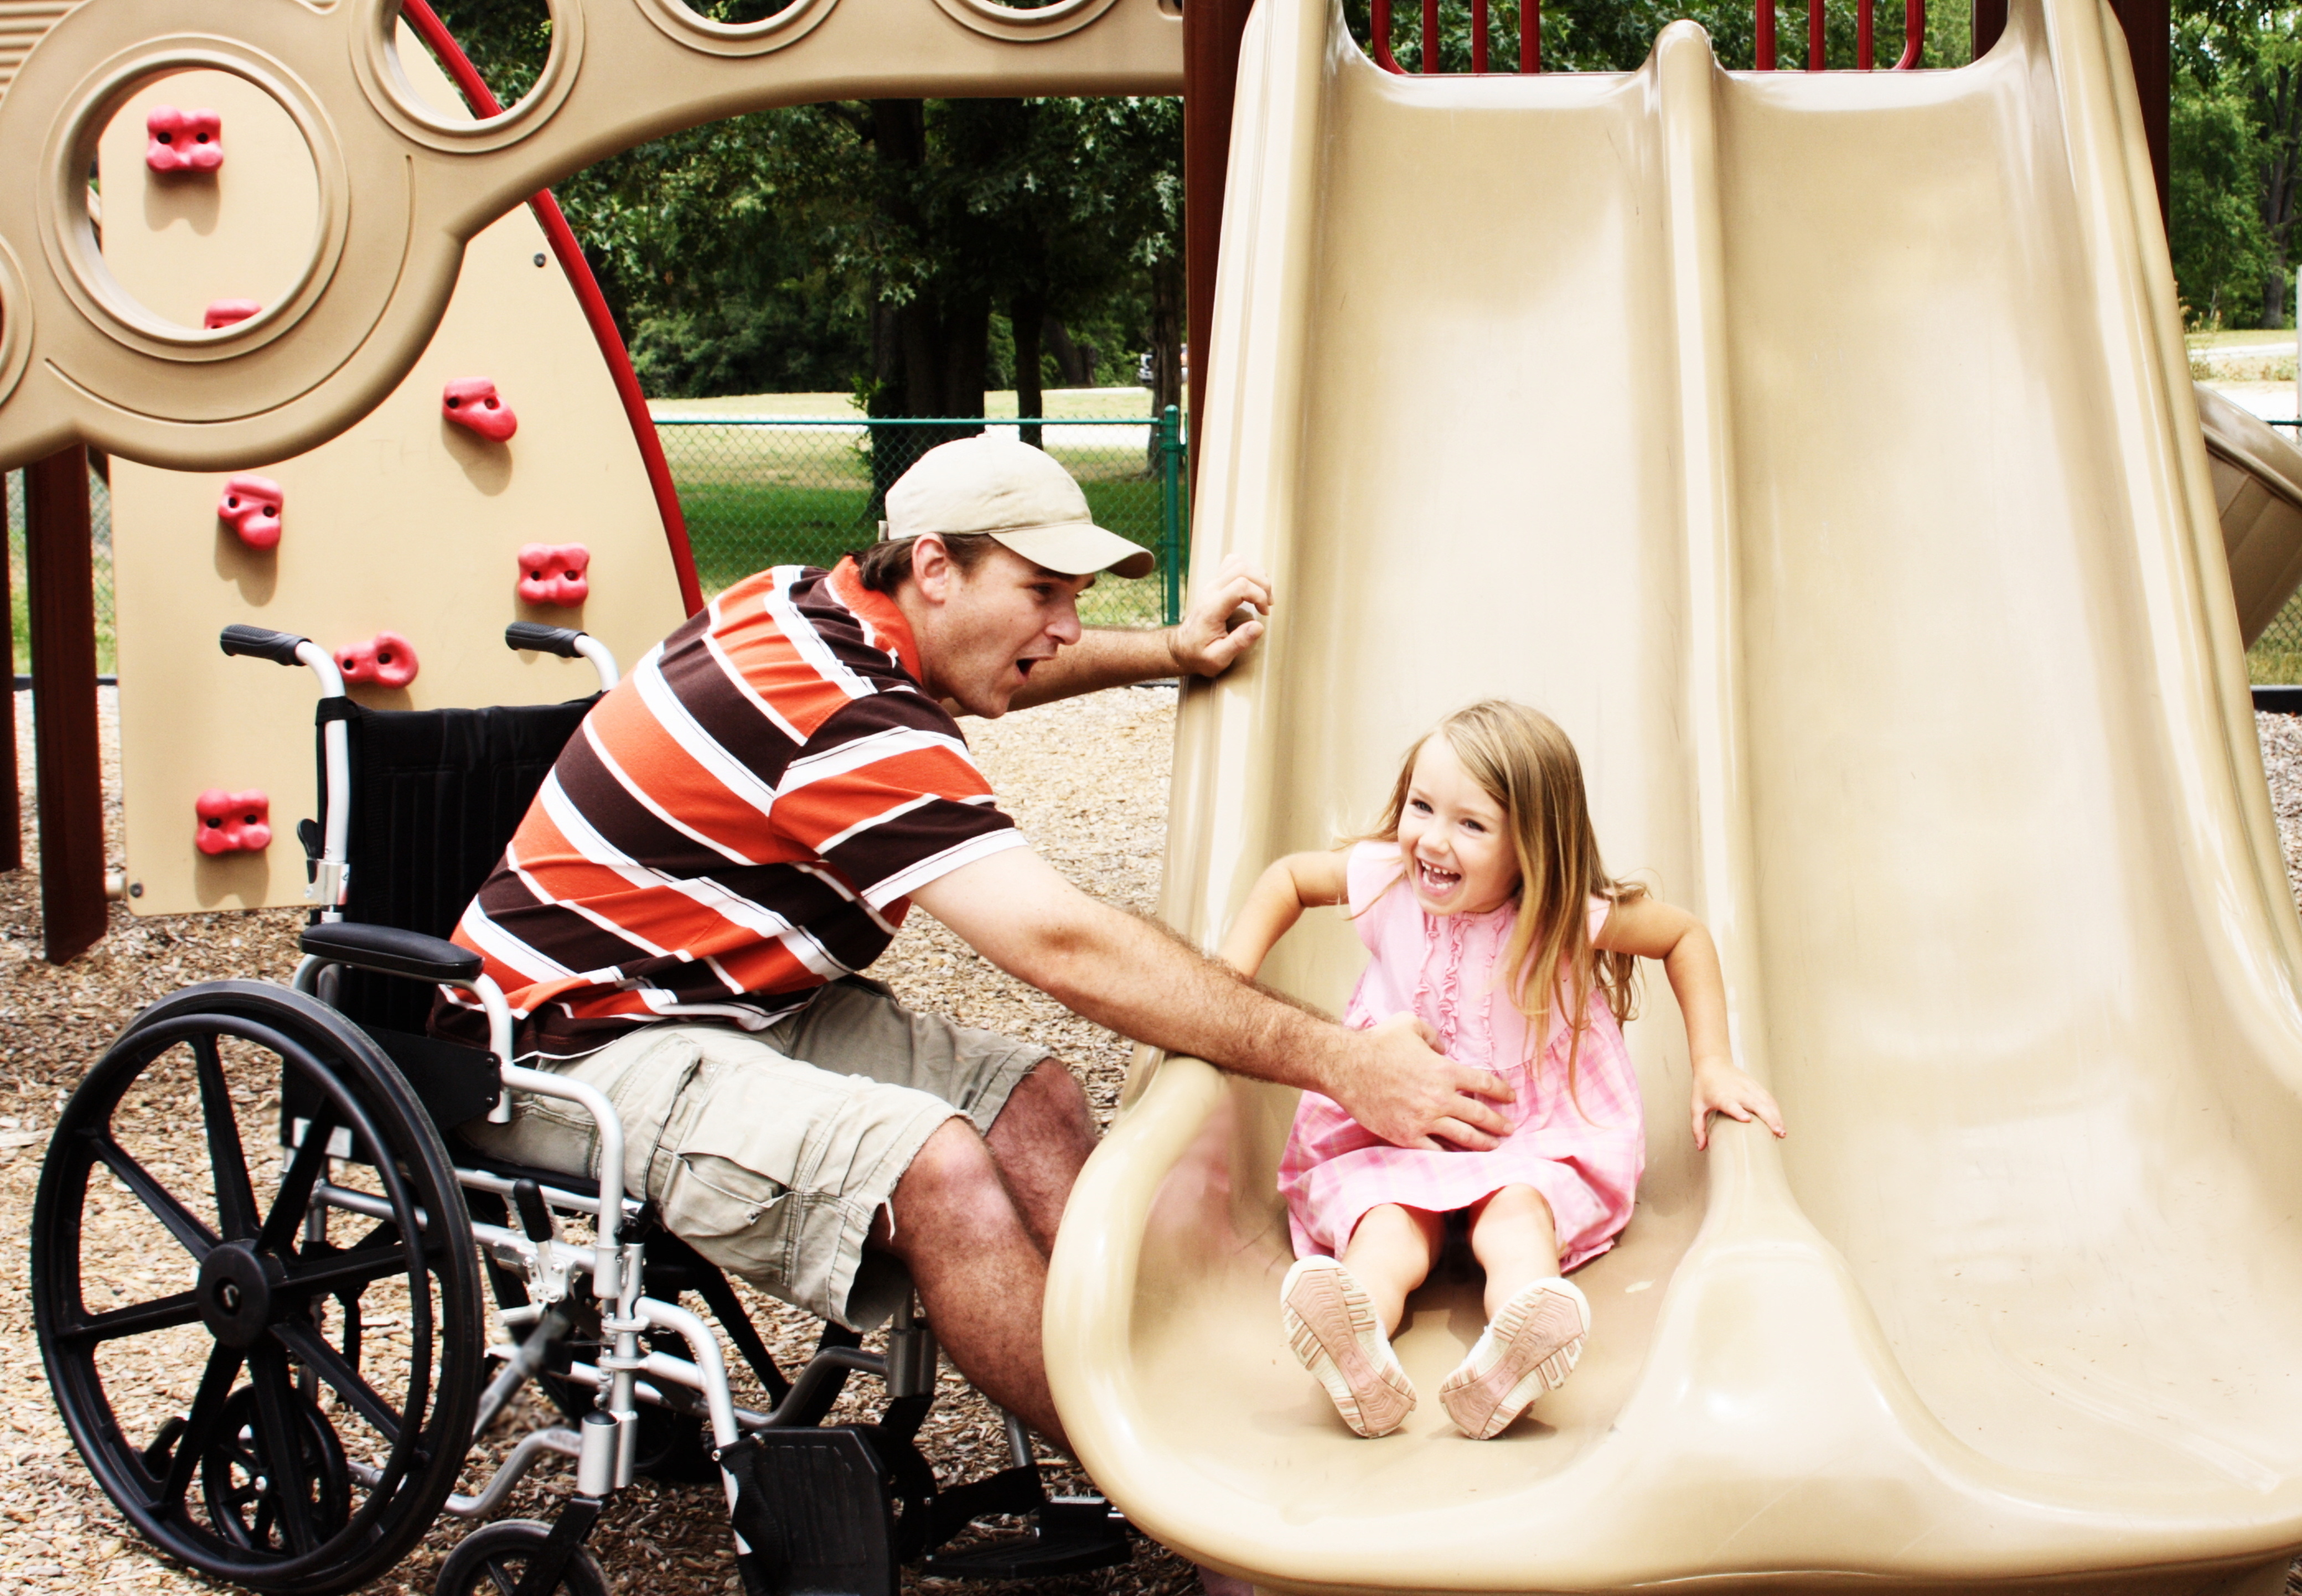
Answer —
1212 34
434 32
1815 18
1864 52
12 808
1763 37
1478 36
67 754
1430 62
1380 27
1530 36
1914 34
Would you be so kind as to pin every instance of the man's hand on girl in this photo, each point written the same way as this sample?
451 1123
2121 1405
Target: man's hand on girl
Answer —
1397 1084
1719 1087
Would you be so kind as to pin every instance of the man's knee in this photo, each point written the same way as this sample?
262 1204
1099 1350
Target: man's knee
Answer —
951 1186
1047 1101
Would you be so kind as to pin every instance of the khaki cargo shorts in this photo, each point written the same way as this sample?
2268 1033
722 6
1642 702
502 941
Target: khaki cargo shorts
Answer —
771 1151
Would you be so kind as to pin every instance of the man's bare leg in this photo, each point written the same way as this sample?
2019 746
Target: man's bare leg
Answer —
980 1274
1042 1136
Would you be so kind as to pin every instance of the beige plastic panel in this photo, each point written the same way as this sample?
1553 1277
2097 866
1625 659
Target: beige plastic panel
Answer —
405 522
2257 476
1820 450
402 185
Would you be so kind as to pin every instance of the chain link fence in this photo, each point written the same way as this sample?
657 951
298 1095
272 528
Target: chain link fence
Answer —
761 490
99 509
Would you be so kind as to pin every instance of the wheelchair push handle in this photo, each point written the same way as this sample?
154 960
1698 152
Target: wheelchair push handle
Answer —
544 640
565 642
257 642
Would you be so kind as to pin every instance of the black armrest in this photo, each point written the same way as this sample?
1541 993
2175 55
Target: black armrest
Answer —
390 951
279 647
544 640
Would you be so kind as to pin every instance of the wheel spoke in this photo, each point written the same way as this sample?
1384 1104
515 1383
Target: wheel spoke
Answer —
235 1200
283 1428
142 1318
302 1339
183 1224
330 1272
199 1424
295 1195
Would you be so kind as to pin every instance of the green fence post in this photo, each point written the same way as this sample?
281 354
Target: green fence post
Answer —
1170 512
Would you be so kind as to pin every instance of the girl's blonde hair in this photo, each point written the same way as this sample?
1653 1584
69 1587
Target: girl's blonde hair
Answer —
1523 760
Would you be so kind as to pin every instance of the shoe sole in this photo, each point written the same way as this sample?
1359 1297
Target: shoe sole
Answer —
1542 1342
1328 1315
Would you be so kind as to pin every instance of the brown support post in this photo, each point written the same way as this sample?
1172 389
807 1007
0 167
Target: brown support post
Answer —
60 574
1211 36
2148 28
2149 41
12 808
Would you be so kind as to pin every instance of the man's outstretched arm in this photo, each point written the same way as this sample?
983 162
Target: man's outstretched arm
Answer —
1203 643
1144 982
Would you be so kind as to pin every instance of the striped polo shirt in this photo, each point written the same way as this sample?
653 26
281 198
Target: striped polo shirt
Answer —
740 820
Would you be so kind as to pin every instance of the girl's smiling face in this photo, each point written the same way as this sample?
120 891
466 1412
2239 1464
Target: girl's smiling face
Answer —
1454 839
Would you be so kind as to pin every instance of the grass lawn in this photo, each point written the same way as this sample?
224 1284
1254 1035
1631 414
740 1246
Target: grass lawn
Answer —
762 496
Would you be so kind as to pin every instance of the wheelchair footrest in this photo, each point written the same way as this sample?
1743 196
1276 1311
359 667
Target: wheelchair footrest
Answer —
1075 1535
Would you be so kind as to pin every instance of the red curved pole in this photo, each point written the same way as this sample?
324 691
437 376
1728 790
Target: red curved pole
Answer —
561 237
1380 29
1914 34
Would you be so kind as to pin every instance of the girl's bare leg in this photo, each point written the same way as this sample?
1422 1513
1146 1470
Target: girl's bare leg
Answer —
1515 1241
1338 1315
1391 1253
1536 1322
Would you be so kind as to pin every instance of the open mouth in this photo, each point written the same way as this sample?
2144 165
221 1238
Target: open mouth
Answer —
1436 883
1024 666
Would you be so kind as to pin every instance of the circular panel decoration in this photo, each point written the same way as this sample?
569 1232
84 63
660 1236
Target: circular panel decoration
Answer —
1021 25
375 57
697 31
15 322
68 232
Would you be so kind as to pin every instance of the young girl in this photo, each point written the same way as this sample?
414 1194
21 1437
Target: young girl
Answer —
1490 919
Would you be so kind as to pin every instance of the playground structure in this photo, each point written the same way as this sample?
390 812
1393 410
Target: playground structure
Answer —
1870 556
1908 1346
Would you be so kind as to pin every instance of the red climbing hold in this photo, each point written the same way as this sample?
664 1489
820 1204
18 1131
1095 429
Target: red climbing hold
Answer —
234 822
386 660
251 506
183 141
473 402
554 572
224 313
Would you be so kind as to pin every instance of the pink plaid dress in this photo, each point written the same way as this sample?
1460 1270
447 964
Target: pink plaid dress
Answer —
1584 1152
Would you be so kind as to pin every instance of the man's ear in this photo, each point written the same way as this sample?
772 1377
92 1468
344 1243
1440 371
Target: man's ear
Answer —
931 567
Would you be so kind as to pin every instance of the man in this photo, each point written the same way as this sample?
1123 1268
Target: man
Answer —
739 827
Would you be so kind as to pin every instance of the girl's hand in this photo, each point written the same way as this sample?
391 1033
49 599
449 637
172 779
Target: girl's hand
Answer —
1719 1087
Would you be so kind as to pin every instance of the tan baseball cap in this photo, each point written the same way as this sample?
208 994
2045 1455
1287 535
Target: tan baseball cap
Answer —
1015 493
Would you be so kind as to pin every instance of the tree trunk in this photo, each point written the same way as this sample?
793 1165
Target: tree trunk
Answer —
1076 361
1028 311
1166 345
928 353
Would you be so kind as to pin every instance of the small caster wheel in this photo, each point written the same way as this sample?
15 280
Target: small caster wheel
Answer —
491 1560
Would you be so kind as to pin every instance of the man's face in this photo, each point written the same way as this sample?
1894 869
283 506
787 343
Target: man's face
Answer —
983 632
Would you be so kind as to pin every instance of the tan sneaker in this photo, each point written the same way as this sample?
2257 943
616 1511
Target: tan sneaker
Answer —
1331 1327
1530 1348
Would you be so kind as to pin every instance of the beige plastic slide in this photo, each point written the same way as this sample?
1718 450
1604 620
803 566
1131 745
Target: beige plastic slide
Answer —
2258 484
1821 451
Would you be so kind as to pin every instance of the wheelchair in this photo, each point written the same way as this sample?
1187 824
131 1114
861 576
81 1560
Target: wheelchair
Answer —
278 1381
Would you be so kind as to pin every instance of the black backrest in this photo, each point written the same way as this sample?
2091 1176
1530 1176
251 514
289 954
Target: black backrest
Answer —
436 793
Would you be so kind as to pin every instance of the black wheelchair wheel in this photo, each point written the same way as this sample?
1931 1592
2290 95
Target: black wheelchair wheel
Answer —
491 1560
277 1390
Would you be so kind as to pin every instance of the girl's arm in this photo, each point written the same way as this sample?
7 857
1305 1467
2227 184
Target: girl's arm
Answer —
1276 901
1654 929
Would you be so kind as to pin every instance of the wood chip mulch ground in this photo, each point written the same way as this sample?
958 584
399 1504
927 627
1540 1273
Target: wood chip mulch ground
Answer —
1088 781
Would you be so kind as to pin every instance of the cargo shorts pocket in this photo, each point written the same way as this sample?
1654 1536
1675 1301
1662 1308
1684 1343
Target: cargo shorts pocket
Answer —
736 1217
